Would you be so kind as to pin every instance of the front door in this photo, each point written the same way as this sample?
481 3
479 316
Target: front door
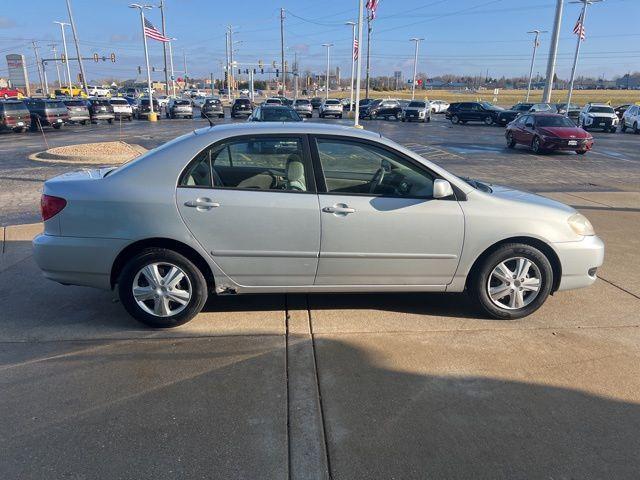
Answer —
251 203
380 223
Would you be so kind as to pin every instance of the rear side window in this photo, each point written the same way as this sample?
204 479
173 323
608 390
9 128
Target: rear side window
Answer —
264 163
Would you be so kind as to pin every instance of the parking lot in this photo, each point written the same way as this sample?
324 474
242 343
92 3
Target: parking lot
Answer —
328 386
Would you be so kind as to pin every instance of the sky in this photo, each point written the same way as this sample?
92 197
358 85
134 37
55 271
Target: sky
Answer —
469 37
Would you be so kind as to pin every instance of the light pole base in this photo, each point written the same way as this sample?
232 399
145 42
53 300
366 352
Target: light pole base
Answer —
153 117
358 126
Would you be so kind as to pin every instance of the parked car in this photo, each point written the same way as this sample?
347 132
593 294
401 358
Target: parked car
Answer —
121 108
95 91
464 112
417 110
144 108
200 101
367 105
438 106
620 109
179 108
403 103
241 107
100 109
509 115
45 112
316 102
212 108
544 132
303 107
346 103
14 116
330 107
599 115
273 101
573 111
241 209
631 119
134 105
386 109
78 111
274 113
544 107
163 100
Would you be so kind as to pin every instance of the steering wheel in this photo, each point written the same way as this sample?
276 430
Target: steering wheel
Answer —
376 181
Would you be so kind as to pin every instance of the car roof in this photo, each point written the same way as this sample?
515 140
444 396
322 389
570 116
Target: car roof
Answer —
545 114
287 127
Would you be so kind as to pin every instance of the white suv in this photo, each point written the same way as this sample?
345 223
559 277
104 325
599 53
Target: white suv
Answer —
438 106
599 115
121 108
330 107
631 119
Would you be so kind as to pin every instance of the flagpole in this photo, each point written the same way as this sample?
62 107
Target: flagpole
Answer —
359 65
583 17
146 56
366 95
353 61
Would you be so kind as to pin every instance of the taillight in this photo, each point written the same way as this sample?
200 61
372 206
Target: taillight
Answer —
51 206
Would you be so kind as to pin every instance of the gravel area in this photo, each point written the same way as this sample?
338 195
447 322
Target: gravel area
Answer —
91 153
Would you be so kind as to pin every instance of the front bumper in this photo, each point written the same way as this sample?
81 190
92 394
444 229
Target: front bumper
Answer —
76 260
563 144
577 260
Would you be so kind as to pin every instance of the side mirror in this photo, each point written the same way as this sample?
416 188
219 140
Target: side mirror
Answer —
442 189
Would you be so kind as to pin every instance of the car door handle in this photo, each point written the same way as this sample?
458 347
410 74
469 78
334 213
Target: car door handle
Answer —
201 203
340 209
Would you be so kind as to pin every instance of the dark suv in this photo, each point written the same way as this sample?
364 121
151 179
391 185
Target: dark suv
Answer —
464 112
14 116
212 108
241 107
507 116
47 112
100 109
78 111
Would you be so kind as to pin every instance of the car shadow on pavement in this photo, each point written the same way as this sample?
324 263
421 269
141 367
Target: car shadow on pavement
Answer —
466 425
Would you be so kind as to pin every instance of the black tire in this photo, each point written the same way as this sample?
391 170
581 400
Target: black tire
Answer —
110 121
404 120
340 116
581 152
636 130
623 127
535 145
57 126
511 142
479 282
455 119
428 119
160 255
129 118
221 115
613 129
83 122
488 120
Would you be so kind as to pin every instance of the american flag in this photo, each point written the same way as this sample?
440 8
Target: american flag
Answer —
579 28
372 6
152 32
355 49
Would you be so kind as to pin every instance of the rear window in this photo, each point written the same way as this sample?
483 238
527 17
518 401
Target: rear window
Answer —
243 101
182 102
279 115
100 102
332 102
272 101
17 107
119 101
302 102
417 104
54 105
74 103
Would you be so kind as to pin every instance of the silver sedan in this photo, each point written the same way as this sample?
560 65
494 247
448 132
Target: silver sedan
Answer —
299 207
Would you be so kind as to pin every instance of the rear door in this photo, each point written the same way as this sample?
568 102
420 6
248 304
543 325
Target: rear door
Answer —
251 203
380 223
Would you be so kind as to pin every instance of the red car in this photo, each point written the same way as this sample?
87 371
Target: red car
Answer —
545 132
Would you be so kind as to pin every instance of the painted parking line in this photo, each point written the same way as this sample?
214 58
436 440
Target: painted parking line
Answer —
611 154
429 151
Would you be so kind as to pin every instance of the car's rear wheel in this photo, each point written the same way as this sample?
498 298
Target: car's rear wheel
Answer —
512 282
488 120
57 126
162 288
623 127
511 142
636 130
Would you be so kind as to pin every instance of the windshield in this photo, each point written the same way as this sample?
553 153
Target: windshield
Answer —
417 104
100 102
54 105
553 121
279 115
74 103
522 107
15 107
601 110
487 105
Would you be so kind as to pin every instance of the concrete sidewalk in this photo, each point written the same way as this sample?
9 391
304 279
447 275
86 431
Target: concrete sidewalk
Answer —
325 386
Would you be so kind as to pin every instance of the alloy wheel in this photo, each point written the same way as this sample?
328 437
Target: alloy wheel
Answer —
514 283
162 289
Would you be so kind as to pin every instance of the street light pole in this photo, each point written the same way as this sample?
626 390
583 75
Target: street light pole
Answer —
142 8
356 122
533 58
326 87
66 57
164 48
583 18
415 67
553 52
353 60
55 60
173 77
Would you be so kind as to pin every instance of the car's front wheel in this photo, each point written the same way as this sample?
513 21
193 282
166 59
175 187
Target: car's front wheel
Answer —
162 288
535 145
488 120
455 119
512 282
511 142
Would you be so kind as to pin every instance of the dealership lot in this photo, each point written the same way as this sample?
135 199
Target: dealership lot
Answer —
312 386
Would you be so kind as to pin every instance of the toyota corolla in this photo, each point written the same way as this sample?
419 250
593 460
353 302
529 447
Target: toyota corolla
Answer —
301 207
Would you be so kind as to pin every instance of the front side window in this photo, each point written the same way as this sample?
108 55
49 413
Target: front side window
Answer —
265 163
359 168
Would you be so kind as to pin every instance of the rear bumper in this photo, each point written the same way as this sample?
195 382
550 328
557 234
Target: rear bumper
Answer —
122 114
578 260
102 116
79 118
76 260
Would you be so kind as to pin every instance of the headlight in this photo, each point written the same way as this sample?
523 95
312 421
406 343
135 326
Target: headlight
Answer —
580 224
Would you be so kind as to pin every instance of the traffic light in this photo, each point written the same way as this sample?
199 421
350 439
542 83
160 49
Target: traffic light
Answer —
139 70
113 57
273 64
262 71
63 58
96 57
277 72
260 64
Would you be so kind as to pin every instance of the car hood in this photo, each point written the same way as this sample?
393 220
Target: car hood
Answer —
509 193
564 132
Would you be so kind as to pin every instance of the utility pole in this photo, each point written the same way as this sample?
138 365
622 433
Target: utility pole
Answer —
533 58
284 70
38 65
211 81
553 52
415 67
295 75
184 65
77 43
231 75
142 8
228 68
173 76
326 87
164 49
579 33
55 60
353 60
366 94
66 57
356 122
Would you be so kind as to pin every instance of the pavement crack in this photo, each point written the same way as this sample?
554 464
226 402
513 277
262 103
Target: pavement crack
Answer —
619 287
